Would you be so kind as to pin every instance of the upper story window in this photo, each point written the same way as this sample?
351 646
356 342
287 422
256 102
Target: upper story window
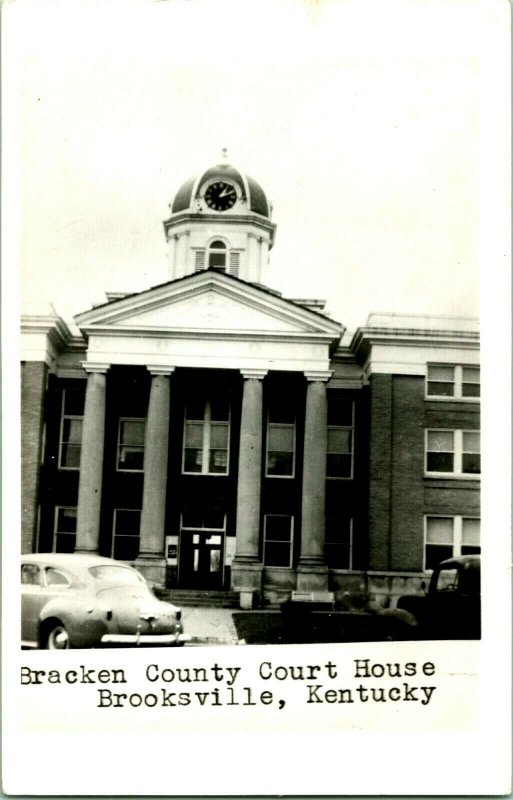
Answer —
206 437
130 456
70 439
281 441
458 382
339 461
218 255
450 452
450 536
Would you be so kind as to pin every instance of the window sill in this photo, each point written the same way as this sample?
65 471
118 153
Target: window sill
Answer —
452 476
443 399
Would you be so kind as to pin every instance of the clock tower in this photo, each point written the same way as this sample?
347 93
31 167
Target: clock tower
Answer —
221 220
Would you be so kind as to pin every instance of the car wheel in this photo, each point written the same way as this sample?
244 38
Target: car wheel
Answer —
402 626
57 638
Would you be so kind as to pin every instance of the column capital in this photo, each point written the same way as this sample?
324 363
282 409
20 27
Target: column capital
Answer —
256 374
322 375
158 370
91 366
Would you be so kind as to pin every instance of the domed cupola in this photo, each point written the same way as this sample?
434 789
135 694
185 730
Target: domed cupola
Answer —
220 219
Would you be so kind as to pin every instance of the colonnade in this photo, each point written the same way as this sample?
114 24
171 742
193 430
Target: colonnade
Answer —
246 566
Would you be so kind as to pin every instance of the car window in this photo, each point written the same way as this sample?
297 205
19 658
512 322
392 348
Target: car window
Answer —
55 577
30 575
114 574
447 580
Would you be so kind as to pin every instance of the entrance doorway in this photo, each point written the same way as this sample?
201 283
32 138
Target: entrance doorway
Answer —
201 550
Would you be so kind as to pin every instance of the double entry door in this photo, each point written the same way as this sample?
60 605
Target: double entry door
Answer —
201 550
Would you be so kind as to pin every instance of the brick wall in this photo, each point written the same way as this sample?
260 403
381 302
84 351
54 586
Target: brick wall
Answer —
380 471
407 533
33 383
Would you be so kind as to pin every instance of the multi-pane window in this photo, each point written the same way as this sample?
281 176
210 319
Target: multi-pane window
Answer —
459 382
450 536
130 456
338 542
339 462
453 452
126 534
71 428
65 529
217 255
278 540
206 437
281 440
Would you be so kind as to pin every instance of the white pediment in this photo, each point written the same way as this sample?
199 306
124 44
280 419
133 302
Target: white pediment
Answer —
207 302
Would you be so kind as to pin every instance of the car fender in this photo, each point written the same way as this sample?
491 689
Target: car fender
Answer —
81 617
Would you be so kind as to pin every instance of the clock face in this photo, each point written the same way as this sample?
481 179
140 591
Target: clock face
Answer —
220 196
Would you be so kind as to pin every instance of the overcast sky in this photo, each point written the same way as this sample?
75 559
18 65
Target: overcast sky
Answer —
363 121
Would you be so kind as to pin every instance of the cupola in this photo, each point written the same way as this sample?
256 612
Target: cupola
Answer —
221 220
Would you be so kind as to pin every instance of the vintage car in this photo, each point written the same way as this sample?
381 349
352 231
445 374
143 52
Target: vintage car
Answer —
451 606
89 601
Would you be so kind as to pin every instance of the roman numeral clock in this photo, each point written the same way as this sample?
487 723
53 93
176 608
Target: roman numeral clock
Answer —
220 196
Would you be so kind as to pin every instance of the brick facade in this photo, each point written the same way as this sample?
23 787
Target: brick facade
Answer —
33 385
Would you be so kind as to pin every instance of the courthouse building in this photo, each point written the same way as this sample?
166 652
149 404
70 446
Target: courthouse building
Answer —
218 435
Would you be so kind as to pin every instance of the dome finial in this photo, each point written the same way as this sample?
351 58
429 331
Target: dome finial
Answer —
224 155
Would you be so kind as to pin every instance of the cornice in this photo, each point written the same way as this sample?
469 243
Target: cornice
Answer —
365 338
213 334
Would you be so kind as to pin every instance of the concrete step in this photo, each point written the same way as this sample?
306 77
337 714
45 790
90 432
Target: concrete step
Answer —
196 598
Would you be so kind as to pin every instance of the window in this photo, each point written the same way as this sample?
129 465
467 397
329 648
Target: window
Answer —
459 382
71 428
281 440
54 577
131 445
450 536
453 452
339 461
30 575
278 539
217 255
65 530
126 533
338 542
206 437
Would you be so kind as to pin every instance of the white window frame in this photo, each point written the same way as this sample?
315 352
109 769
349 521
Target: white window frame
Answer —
56 521
205 451
61 431
289 425
283 541
343 428
226 251
457 533
457 382
351 522
457 455
113 541
118 449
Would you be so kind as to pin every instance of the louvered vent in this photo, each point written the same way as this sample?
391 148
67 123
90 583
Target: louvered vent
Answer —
199 263
234 264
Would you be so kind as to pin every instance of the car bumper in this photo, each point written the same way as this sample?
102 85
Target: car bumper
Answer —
139 640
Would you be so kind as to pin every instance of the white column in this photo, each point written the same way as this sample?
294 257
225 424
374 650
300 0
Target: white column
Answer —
91 460
246 565
151 558
312 573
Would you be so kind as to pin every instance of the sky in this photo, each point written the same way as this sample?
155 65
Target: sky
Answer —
367 123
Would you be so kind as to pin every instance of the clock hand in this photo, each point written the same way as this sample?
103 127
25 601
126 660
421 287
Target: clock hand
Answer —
228 190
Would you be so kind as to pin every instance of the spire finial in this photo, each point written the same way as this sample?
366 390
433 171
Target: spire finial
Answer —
224 154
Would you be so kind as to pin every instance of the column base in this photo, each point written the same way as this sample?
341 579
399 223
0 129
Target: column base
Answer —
153 568
247 580
312 578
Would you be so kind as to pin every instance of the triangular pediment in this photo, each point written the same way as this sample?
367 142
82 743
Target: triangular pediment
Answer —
209 302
